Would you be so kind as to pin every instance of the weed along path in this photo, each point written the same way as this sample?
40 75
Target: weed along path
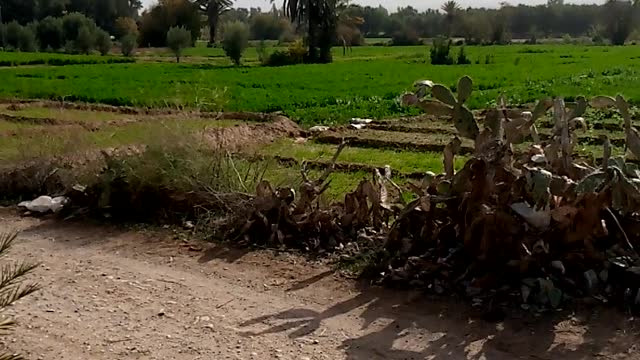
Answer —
110 293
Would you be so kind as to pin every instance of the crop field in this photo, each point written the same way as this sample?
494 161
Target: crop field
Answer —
365 83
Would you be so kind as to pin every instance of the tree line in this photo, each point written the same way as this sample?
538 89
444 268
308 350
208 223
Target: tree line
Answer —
324 23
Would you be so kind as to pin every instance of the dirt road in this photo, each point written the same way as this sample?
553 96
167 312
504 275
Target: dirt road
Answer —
115 294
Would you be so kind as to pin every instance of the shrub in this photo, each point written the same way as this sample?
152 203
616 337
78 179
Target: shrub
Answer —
178 38
128 44
279 58
85 41
235 40
297 51
295 54
462 57
125 26
50 33
440 52
103 41
406 37
27 39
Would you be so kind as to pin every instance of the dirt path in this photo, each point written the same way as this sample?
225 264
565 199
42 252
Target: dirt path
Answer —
115 294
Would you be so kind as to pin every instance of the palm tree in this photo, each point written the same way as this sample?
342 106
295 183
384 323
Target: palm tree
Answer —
451 9
11 287
213 9
319 18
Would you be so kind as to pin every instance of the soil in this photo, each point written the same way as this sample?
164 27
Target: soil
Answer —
244 136
113 293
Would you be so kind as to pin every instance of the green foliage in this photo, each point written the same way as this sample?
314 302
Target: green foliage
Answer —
178 38
440 52
103 42
128 44
268 27
27 40
3 36
12 35
125 26
295 54
50 33
85 40
462 57
405 37
73 23
619 20
157 21
235 40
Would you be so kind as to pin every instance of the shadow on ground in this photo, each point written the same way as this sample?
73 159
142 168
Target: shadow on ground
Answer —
394 328
394 325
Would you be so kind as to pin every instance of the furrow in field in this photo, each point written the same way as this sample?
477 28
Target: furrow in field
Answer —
392 140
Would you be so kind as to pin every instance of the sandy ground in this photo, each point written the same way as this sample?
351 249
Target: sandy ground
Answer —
110 293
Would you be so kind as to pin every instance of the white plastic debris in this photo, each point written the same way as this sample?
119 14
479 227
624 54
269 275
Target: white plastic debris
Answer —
358 126
423 87
318 129
45 204
361 121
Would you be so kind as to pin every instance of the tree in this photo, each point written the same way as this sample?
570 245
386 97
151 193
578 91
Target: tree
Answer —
50 33
156 22
12 34
73 22
178 38
126 26
85 40
320 19
103 41
22 11
619 20
451 10
128 44
53 8
213 9
12 286
235 39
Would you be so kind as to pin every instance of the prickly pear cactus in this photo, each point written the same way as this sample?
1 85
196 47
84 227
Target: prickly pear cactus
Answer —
444 103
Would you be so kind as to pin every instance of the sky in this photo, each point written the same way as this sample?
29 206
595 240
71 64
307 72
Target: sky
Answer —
391 5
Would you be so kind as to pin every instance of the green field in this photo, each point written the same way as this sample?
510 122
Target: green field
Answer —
365 83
